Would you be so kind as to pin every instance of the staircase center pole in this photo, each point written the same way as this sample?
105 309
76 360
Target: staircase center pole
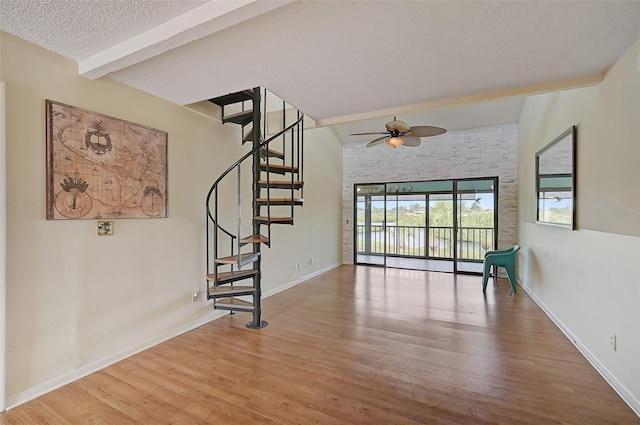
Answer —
256 323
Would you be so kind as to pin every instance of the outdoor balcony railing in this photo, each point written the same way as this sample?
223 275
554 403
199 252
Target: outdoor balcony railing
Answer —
425 242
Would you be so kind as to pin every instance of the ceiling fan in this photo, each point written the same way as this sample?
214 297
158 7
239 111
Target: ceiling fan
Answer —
400 133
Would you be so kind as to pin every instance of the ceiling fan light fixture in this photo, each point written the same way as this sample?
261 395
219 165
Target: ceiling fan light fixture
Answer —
399 133
395 141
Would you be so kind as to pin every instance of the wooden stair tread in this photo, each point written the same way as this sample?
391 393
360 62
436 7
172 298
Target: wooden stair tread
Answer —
277 168
273 219
231 303
279 201
231 98
241 118
254 239
237 301
221 291
280 184
245 258
230 276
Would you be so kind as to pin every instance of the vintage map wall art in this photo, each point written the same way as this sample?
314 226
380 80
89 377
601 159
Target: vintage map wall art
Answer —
103 167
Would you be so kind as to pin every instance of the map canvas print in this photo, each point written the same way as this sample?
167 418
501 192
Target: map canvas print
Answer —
103 167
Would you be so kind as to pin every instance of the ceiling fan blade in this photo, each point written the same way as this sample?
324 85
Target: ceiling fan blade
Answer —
370 133
411 141
397 125
376 141
425 131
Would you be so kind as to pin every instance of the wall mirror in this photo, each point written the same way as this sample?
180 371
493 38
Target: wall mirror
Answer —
555 181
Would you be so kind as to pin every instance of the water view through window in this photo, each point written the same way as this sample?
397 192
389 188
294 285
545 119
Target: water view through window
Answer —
438 225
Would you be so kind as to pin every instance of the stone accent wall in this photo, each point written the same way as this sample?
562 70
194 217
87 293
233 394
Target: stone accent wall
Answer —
477 152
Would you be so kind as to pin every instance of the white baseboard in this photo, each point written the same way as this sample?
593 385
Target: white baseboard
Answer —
67 378
617 386
299 280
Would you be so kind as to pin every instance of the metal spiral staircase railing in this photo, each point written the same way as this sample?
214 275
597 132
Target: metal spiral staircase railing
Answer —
232 257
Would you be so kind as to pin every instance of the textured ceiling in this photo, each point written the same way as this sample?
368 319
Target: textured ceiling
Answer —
78 29
342 60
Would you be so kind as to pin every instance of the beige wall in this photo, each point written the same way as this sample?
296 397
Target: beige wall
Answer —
77 301
3 250
315 240
589 279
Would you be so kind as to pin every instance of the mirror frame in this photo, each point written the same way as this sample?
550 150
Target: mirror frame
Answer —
570 135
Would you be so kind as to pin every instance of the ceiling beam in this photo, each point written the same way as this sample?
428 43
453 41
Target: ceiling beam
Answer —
197 23
574 83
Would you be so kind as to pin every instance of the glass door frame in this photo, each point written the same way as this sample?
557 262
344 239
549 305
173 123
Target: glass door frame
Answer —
368 208
456 216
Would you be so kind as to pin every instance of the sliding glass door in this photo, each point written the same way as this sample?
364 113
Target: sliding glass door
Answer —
444 225
476 222
370 224
441 230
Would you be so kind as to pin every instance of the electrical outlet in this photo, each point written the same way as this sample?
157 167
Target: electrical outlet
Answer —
311 261
194 296
613 341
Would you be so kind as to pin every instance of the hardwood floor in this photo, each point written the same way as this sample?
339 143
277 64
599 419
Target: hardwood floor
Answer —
356 345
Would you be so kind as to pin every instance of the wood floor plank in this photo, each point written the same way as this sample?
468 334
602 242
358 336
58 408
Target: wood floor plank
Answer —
356 345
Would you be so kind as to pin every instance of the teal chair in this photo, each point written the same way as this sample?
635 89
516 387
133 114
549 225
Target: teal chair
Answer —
505 258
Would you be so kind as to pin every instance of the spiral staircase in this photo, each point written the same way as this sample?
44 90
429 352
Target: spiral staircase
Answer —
274 164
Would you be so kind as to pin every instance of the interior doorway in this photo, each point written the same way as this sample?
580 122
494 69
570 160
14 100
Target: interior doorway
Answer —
443 225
